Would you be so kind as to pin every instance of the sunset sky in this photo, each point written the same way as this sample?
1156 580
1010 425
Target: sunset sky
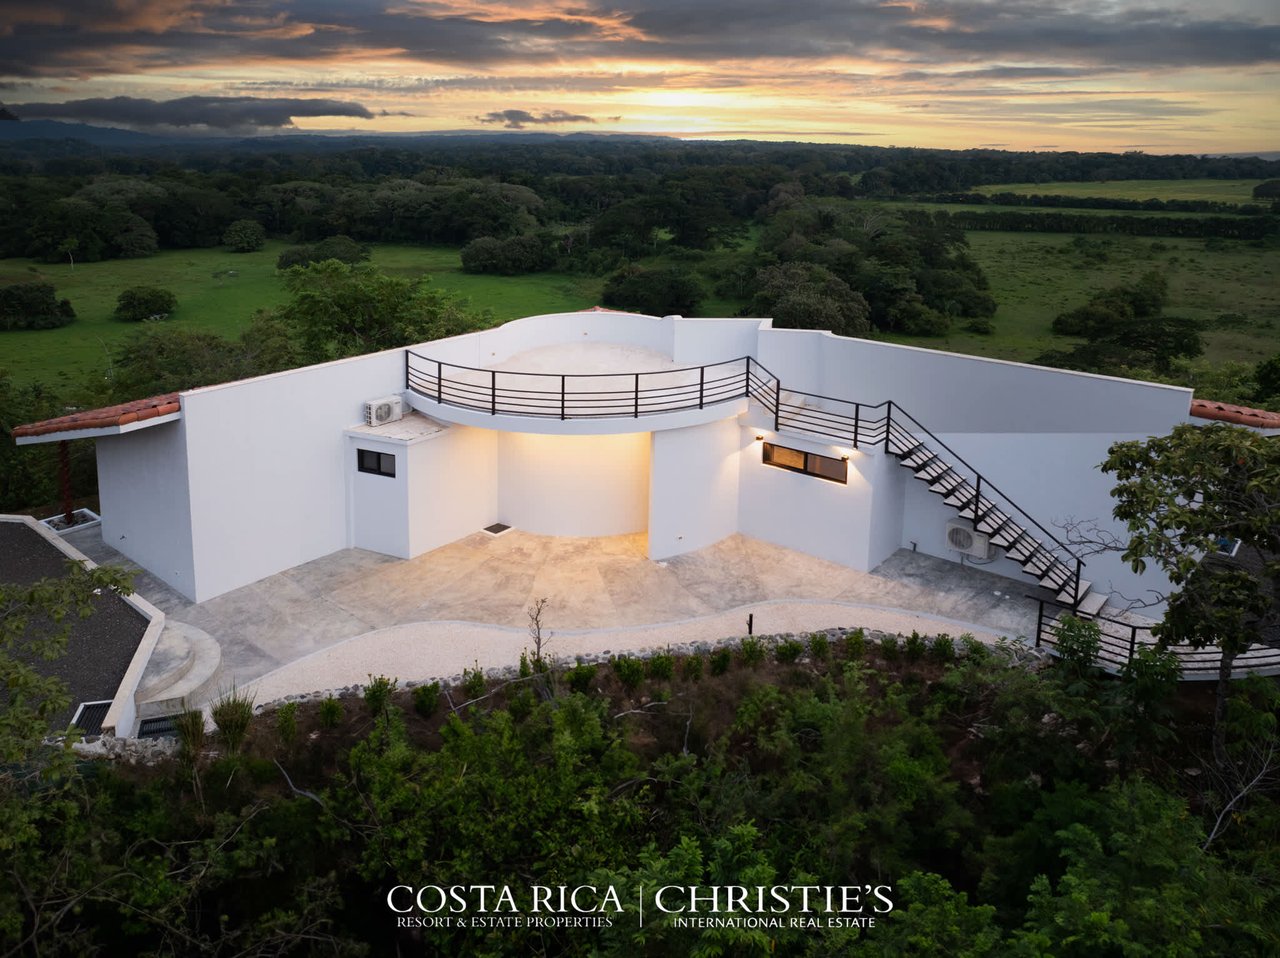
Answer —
1026 74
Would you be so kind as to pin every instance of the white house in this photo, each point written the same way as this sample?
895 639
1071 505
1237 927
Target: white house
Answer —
598 423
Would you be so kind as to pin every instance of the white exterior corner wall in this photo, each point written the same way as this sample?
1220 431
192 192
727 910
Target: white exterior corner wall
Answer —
269 472
379 504
453 487
826 519
574 485
693 487
144 490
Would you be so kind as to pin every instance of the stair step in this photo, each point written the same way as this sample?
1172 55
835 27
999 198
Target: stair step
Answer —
1039 562
946 482
916 456
992 520
960 495
1058 578
1066 596
1092 603
1008 533
933 470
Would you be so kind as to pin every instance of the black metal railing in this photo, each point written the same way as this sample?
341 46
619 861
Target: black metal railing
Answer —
632 395
1120 640
576 395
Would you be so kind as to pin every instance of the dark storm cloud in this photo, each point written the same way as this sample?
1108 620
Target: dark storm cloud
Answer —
100 37
519 119
214 112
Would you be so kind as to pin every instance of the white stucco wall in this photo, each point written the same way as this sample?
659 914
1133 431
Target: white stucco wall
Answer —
453 489
693 487
145 503
817 516
574 485
379 504
268 466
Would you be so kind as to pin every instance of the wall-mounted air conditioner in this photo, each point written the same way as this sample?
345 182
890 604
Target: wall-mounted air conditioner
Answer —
379 411
962 537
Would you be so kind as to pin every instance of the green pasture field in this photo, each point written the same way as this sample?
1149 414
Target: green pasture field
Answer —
224 304
1035 276
1220 191
1032 210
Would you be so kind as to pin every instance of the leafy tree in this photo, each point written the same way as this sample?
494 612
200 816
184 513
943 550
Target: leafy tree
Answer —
28 474
342 248
1185 498
33 306
245 236
138 303
806 296
1267 190
339 309
1267 376
530 253
663 291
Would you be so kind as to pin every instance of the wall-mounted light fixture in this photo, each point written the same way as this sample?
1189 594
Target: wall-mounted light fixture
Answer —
845 458
759 436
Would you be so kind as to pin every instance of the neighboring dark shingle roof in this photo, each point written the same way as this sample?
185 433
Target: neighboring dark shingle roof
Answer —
121 415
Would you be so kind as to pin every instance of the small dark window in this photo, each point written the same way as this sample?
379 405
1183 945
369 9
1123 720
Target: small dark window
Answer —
810 463
378 463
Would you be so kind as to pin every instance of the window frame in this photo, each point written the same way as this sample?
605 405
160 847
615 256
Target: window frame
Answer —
380 459
811 459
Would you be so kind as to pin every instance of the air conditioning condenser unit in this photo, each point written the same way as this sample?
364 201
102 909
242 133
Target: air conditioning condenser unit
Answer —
387 409
962 537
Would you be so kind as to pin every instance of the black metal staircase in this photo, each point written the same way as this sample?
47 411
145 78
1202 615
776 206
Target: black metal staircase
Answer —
1040 553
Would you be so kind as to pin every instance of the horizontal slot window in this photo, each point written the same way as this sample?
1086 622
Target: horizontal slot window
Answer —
810 463
377 463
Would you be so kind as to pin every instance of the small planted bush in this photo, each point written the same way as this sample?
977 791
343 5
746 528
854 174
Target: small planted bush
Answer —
190 728
915 647
973 649
521 704
581 677
752 651
691 667
426 699
721 659
330 712
819 647
889 648
662 666
630 672
233 714
943 648
287 722
855 644
788 651
473 682
377 694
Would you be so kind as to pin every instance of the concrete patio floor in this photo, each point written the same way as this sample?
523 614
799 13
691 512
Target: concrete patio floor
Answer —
590 584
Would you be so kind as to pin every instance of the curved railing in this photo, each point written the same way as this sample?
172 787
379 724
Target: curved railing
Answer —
576 395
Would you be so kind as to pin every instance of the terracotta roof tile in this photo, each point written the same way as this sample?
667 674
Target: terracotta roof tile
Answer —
121 415
1241 415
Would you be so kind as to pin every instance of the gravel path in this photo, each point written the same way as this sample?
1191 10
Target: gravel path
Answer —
422 651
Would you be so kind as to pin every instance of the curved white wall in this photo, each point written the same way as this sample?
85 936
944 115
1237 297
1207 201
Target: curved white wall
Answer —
574 485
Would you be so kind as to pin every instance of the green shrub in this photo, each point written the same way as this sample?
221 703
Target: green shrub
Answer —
820 646
287 722
855 644
233 714
33 306
526 669
190 728
521 705
473 682
662 666
752 651
330 712
377 694
943 648
630 672
721 659
140 303
691 667
426 699
788 651
889 647
245 236
581 677
915 647
973 649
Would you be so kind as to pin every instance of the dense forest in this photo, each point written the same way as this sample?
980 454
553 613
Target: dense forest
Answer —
1003 805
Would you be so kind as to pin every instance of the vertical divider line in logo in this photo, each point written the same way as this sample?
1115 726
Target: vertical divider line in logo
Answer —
642 906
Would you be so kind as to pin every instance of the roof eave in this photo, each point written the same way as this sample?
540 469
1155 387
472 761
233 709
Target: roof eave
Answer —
97 432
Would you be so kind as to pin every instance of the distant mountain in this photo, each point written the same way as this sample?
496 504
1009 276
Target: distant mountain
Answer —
58 130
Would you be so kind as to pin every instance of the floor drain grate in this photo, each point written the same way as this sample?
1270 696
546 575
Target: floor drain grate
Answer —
497 529
89 717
